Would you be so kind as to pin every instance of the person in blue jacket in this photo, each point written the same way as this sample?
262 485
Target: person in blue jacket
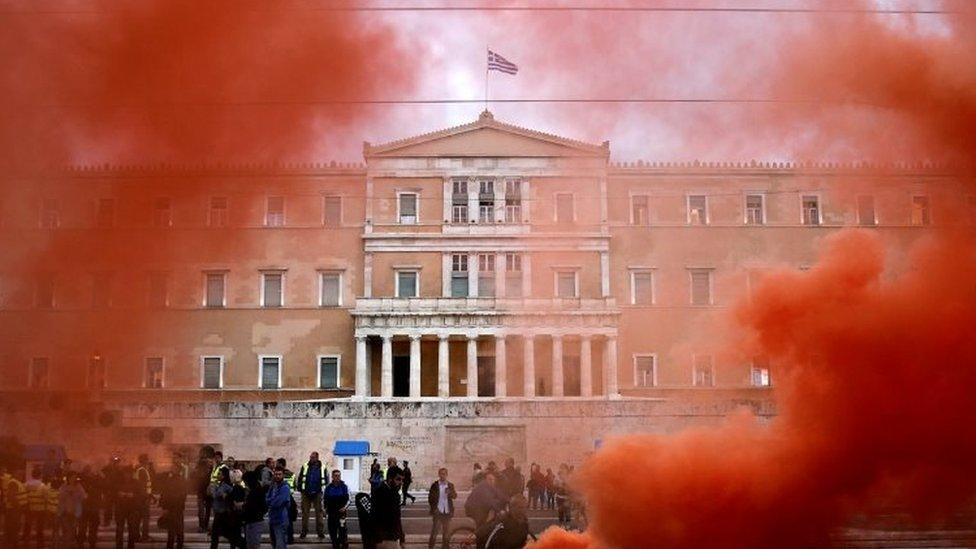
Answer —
336 500
278 499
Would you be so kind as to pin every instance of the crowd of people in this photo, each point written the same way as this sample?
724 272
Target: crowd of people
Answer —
65 507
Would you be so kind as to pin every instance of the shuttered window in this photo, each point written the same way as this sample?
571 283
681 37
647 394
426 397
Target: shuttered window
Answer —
811 210
218 212
643 290
513 275
270 372
459 275
639 210
213 372
273 287
566 284
486 275
921 214
406 283
154 373
332 211
214 290
407 205
331 290
328 372
701 286
755 214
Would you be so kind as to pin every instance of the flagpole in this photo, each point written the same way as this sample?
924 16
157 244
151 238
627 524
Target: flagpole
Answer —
486 76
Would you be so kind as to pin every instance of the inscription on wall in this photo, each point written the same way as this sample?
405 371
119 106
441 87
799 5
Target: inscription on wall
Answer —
469 444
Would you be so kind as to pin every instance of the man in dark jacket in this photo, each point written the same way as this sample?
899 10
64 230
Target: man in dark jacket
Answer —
201 480
128 504
255 507
407 481
309 483
386 511
172 500
441 500
484 501
510 480
336 499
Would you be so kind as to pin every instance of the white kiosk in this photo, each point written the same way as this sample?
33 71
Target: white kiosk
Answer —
349 461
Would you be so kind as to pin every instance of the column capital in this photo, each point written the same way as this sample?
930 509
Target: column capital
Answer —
414 337
472 337
586 337
443 337
361 337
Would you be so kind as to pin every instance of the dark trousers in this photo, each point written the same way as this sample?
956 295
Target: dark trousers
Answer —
204 507
144 518
442 523
310 502
108 509
406 486
225 525
35 520
127 519
11 527
174 534
88 528
334 519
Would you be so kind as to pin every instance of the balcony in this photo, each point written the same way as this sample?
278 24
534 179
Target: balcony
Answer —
441 305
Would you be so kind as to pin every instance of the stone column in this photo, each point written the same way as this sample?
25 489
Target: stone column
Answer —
557 365
472 366
415 366
362 368
586 367
368 275
386 368
610 367
501 367
528 364
604 274
443 366
473 275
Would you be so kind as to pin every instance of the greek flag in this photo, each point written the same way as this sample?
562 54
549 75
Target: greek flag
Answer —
499 63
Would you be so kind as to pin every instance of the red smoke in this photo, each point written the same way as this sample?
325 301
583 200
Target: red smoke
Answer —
872 354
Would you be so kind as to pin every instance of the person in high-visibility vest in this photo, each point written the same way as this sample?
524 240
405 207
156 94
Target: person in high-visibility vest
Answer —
143 475
37 504
219 464
14 503
309 482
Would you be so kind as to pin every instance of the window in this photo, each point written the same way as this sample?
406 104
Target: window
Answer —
105 216
565 212
272 289
44 292
701 286
212 372
331 294
328 372
513 275
214 291
486 201
158 294
642 287
162 212
486 275
101 295
755 209
645 370
697 209
96 372
332 211
407 208
270 372
459 275
639 212
154 373
37 373
704 371
275 213
760 372
921 215
811 210
459 201
513 201
866 216
217 216
407 283
50 214
566 286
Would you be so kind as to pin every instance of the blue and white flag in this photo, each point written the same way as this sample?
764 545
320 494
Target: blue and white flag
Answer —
499 63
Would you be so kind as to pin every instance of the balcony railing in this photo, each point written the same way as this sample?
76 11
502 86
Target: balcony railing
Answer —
479 304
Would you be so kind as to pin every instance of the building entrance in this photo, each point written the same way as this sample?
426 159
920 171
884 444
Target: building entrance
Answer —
401 376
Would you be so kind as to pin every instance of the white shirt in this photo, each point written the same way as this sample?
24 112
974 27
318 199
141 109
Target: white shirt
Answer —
443 504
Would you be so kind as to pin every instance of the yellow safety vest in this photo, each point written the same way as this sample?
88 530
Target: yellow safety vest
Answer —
14 494
37 497
303 473
148 480
215 474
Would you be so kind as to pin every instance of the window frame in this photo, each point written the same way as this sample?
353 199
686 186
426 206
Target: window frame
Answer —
89 382
399 214
653 357
330 272
517 201
708 214
511 258
223 286
458 258
874 210
691 286
576 282
745 208
555 206
803 215
492 210
145 372
203 372
396 281
281 367
927 221
753 368
267 211
694 369
318 372
263 293
484 259
647 209
634 271
325 219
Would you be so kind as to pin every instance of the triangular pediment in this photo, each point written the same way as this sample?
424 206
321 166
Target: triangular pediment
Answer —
486 137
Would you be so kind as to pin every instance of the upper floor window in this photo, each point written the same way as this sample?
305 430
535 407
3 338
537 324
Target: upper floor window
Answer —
459 275
921 214
275 213
272 289
50 214
701 286
866 215
642 287
44 291
270 372
105 216
212 372
513 275
96 372
759 373
645 370
214 296
755 209
459 201
158 293
407 208
407 283
697 209
328 372
101 296
703 374
639 210
567 284
331 294
37 373
154 373
811 210
486 275
486 201
332 211
217 215
162 212
565 209
513 201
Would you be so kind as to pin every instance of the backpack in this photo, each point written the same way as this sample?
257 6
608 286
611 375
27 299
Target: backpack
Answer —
364 507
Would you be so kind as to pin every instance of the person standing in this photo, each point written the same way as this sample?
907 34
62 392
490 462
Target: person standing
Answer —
37 496
267 473
255 507
336 500
407 481
14 507
387 526
441 498
225 523
309 483
127 504
484 501
201 482
88 528
278 500
71 498
144 476
172 500
112 481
